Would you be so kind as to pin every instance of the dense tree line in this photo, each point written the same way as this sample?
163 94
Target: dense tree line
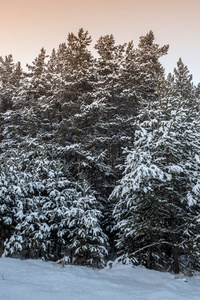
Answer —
100 156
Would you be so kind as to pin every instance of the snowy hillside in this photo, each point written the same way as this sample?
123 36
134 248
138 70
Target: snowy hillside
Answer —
38 280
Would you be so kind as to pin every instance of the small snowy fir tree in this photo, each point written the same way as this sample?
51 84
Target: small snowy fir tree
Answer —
41 195
87 240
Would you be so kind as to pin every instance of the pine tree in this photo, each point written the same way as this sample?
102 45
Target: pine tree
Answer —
142 70
107 95
34 85
10 78
182 80
158 197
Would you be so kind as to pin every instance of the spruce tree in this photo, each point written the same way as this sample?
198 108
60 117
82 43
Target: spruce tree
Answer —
142 70
11 75
182 80
158 196
87 241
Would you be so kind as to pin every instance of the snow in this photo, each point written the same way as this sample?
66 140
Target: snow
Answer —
36 279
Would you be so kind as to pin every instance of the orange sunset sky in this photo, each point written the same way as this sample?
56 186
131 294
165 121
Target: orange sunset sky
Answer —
28 25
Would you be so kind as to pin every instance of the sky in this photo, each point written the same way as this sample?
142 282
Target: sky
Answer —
28 25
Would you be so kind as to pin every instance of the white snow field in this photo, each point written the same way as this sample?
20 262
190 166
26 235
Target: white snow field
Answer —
38 280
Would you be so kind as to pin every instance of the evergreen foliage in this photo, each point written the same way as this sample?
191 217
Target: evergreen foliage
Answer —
90 144
87 241
157 210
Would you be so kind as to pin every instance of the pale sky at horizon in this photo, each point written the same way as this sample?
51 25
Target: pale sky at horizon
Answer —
28 25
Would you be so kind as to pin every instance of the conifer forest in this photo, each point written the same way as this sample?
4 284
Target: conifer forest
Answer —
100 156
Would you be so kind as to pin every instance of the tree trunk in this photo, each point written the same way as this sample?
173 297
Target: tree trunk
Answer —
175 256
108 142
1 134
175 246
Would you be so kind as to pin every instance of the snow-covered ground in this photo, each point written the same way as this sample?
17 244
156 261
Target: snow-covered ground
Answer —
38 280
